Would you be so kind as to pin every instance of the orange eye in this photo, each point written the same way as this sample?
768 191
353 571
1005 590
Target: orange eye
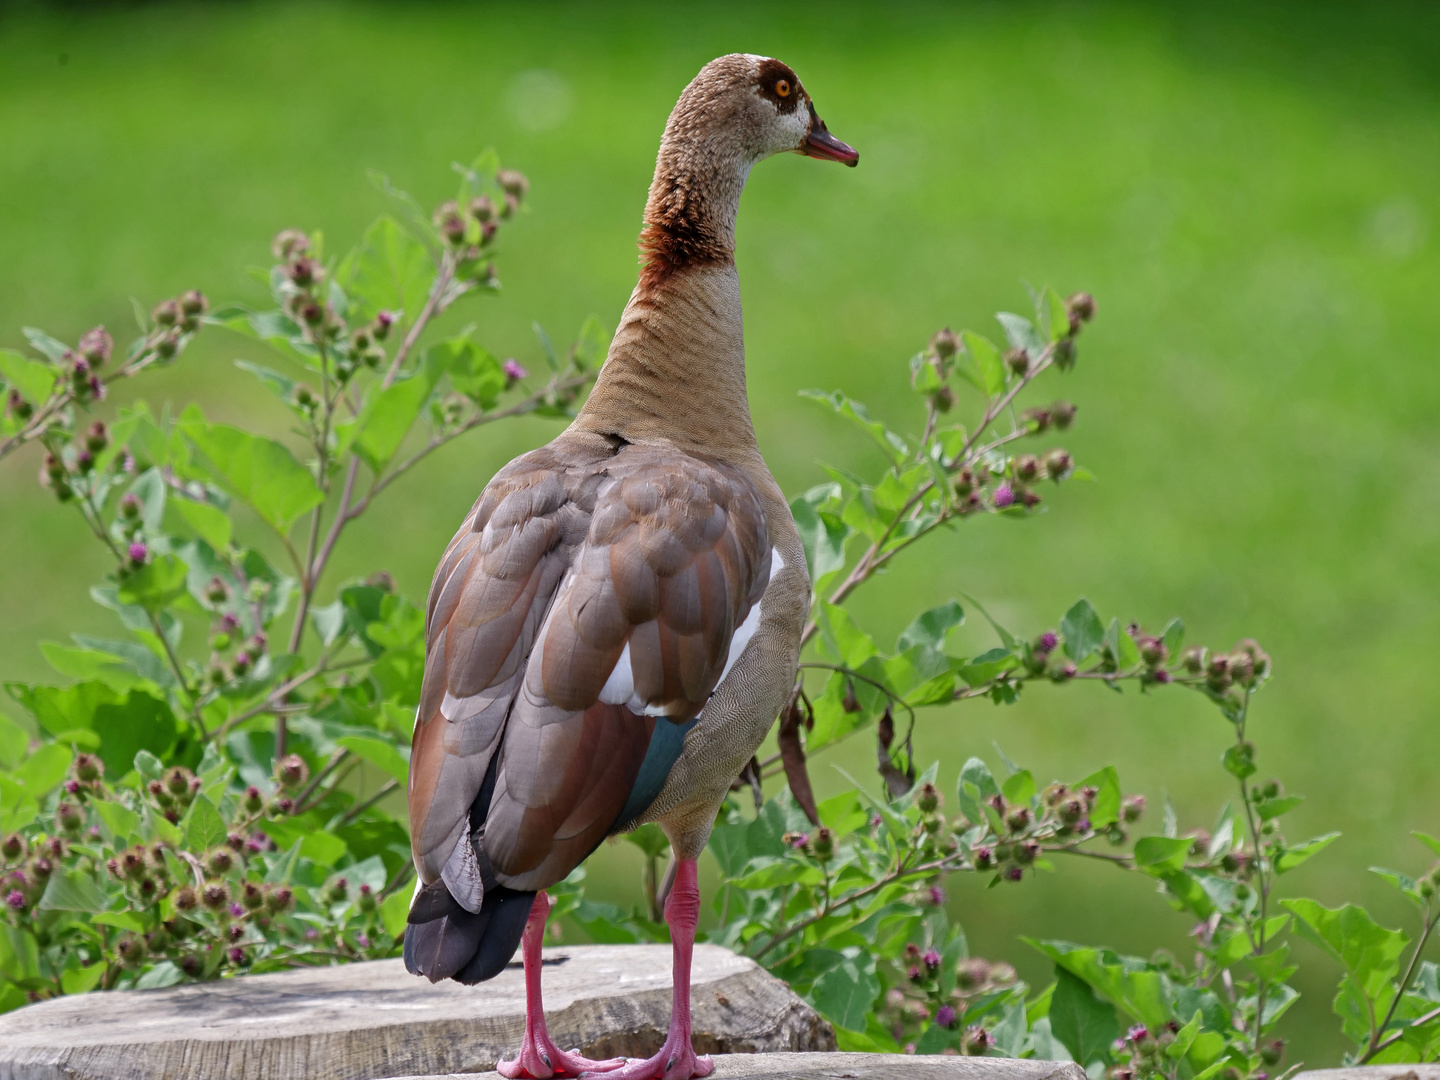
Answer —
783 88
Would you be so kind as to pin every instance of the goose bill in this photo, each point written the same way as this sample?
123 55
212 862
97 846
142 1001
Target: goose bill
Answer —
821 144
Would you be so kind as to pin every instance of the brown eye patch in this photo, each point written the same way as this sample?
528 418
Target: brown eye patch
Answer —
779 85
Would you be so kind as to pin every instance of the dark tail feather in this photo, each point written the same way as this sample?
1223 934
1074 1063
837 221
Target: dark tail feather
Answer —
444 941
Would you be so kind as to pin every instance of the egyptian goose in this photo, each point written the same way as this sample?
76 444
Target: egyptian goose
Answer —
616 624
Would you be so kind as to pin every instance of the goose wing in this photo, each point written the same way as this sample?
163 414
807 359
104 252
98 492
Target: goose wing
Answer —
577 624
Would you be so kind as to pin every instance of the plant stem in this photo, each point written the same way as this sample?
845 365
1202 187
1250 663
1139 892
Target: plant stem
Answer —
1375 1045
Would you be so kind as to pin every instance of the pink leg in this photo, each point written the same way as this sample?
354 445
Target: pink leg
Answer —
539 1058
676 1059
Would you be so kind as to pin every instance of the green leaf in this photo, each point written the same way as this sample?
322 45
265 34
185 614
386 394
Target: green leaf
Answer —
1174 636
124 920
210 523
473 371
1293 857
1021 333
989 365
14 743
74 890
1239 762
1085 1024
83 979
204 827
156 585
1019 788
387 416
378 753
932 627
1160 855
323 849
43 770
893 446
1273 808
122 822
1055 315
976 784
258 471
1370 953
822 533
650 839
1429 841
843 639
771 872
845 995
394 911
391 271
1106 810
33 379
1082 631
44 343
282 385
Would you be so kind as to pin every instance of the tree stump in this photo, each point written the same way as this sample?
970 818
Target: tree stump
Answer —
371 1020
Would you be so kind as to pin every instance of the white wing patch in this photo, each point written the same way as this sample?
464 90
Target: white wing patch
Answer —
619 688
746 630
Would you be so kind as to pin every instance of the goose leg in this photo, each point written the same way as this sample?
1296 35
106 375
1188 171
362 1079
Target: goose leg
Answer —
677 1059
539 1058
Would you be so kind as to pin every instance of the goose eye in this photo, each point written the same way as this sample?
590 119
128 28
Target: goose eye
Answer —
783 88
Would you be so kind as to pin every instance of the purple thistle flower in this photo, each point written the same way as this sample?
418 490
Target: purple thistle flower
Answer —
945 1016
931 958
1014 874
364 941
915 974
81 367
237 955
1163 676
138 553
1136 1033
230 621
1048 640
874 821
1083 825
937 895
1004 496
799 840
311 933
16 900
72 786
97 388
236 910
514 371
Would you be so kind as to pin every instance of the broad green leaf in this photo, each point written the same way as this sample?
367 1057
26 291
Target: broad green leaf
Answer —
976 784
123 920
379 753
42 771
1106 810
282 385
1054 316
83 979
323 849
19 953
989 366
1174 636
44 343
770 872
1081 630
1293 857
1238 762
14 742
1273 808
1019 788
156 585
34 379
846 643
391 271
931 627
1021 333
388 415
73 890
822 533
122 823
1370 953
394 911
210 523
1160 855
727 844
472 370
1083 1023
893 445
1429 841
256 470
846 993
203 825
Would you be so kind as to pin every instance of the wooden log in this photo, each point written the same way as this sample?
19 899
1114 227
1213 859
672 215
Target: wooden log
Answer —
368 1020
862 1067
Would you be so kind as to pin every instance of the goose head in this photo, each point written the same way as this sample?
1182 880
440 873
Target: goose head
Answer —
739 110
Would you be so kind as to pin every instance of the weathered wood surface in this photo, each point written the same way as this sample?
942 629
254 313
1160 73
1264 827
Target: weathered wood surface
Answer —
864 1067
361 1021
1374 1072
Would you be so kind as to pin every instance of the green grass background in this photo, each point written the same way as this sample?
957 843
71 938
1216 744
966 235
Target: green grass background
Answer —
1251 191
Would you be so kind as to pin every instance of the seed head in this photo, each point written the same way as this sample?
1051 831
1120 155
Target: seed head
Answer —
1017 360
96 345
513 183
1081 308
945 343
220 861
166 313
929 799
303 272
1062 413
288 244
976 1042
1132 809
292 771
216 896
1038 419
1027 467
193 303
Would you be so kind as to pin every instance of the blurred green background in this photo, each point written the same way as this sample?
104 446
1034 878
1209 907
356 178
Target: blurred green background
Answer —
1251 191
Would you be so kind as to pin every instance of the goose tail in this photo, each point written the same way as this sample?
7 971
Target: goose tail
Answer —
444 941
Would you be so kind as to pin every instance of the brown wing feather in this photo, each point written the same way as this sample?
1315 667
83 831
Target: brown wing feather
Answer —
573 554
